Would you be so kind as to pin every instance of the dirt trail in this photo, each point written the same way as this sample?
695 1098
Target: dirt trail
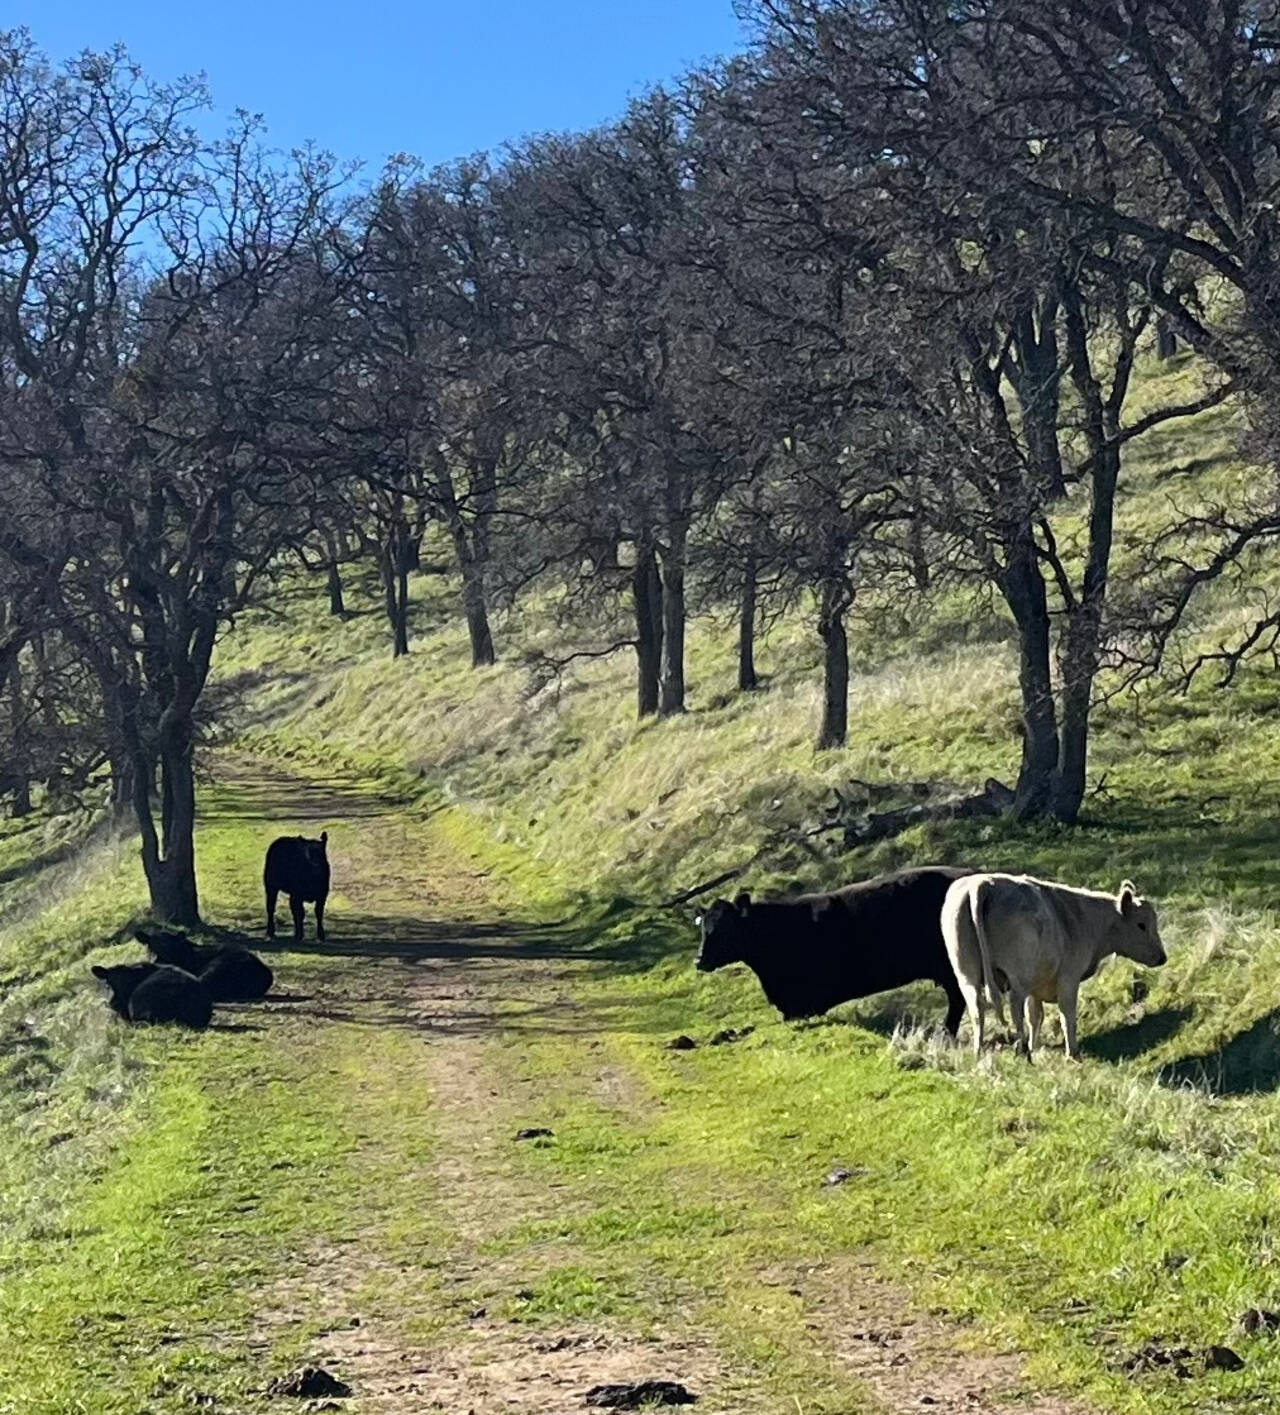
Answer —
457 985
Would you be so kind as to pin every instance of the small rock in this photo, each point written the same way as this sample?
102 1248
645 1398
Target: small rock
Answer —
838 1175
638 1394
534 1132
1222 1358
681 1043
1260 1320
731 1034
477 1314
309 1381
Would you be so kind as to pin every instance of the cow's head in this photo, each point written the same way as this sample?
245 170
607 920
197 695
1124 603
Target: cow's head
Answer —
1136 931
724 931
121 980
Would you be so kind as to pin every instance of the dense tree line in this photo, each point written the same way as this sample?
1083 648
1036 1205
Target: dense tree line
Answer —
855 311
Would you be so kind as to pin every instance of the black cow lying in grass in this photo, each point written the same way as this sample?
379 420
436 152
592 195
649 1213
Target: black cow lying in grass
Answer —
230 973
299 868
152 992
817 950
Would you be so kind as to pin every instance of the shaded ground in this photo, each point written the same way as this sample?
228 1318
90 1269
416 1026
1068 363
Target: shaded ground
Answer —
425 956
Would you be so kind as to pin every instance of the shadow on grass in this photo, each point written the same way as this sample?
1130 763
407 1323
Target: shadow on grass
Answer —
1248 1064
329 799
414 940
1135 1039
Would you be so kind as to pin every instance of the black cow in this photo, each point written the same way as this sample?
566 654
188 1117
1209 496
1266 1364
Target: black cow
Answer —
231 973
154 992
299 868
236 975
817 950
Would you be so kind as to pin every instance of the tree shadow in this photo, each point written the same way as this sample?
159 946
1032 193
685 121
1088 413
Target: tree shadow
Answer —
1248 1064
1135 1039
332 798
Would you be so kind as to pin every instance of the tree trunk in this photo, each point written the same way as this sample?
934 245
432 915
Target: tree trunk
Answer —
646 590
19 773
1083 646
1036 378
474 599
473 602
121 798
395 588
671 686
1024 590
835 674
171 877
747 680
337 606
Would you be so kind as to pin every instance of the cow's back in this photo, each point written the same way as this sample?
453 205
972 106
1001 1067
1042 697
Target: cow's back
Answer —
824 949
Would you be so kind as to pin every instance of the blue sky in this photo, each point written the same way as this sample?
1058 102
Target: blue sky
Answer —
436 78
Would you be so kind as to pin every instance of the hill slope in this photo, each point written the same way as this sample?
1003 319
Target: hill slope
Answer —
186 1216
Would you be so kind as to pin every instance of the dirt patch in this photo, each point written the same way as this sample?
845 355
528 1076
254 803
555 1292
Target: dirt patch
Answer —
909 1359
460 987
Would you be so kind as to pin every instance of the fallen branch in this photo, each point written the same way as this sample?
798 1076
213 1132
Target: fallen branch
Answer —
994 799
687 894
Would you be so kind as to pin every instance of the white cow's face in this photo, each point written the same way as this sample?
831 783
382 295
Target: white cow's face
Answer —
1137 932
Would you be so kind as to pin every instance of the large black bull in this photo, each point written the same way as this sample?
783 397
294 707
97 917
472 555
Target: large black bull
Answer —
299 868
817 950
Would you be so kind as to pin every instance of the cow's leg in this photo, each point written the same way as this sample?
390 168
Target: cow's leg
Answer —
272 896
955 1004
320 918
978 1015
297 908
1067 996
1018 1007
1035 1017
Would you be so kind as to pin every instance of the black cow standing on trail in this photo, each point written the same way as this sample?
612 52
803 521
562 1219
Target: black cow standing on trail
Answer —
299 868
817 950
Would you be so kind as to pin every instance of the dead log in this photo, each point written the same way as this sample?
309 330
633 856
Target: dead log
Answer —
994 799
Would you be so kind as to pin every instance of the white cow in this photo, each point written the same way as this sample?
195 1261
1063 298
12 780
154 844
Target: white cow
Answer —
1038 941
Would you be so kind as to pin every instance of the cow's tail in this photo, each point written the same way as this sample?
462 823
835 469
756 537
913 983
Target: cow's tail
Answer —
976 898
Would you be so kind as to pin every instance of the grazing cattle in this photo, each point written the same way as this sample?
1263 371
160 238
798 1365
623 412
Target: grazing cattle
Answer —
1038 941
155 993
817 950
299 868
231 973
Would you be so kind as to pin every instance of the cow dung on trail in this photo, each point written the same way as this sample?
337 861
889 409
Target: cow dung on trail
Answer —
534 1132
310 1381
638 1394
681 1043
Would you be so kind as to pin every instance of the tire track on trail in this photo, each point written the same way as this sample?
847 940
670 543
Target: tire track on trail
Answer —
427 974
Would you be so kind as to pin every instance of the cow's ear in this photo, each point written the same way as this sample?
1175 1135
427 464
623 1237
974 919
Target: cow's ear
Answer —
1127 898
742 902
324 837
99 972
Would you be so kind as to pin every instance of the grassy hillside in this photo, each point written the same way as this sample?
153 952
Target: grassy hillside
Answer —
582 802
186 1216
